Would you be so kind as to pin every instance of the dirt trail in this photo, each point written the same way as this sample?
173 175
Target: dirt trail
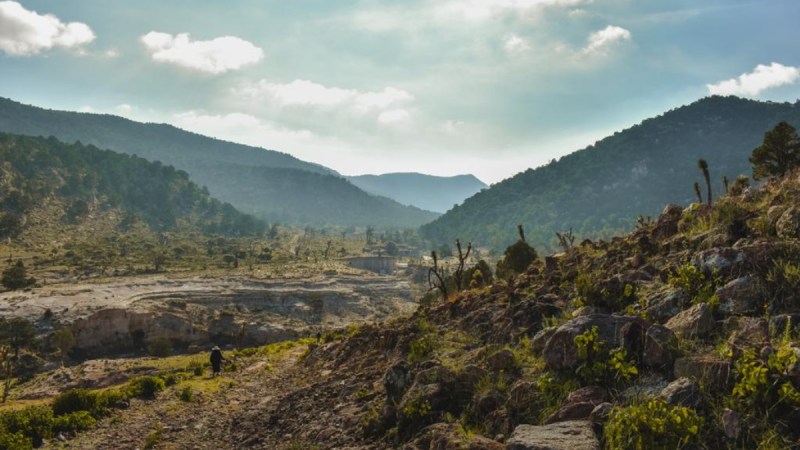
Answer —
205 422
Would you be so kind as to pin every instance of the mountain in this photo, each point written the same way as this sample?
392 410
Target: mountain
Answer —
268 184
423 191
79 181
600 189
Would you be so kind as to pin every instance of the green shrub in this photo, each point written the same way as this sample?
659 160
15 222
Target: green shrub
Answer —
599 365
186 394
145 387
73 422
611 293
516 259
652 425
34 422
76 400
765 385
14 441
696 284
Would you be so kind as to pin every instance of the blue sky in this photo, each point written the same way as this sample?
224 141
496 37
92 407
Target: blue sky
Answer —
489 87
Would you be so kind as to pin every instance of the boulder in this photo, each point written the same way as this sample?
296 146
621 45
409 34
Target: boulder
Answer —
572 435
694 322
502 360
667 223
731 423
601 412
788 225
660 347
560 352
397 379
446 436
683 391
579 404
722 261
662 306
540 339
747 333
738 297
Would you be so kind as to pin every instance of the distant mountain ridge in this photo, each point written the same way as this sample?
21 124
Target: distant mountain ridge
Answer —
36 171
230 171
600 189
433 193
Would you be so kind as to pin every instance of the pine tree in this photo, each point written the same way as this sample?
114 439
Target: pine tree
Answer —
779 153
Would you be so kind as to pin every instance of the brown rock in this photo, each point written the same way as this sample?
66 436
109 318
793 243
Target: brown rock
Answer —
502 360
560 352
694 322
731 423
739 296
573 435
660 347
682 391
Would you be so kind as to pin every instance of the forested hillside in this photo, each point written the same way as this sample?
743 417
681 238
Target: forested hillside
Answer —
602 188
84 179
423 191
242 175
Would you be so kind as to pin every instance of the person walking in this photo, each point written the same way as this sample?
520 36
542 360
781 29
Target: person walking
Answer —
216 360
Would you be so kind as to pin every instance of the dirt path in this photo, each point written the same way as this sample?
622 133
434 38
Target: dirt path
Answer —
203 423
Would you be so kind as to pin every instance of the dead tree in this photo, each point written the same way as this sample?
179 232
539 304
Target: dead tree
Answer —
436 277
565 239
462 259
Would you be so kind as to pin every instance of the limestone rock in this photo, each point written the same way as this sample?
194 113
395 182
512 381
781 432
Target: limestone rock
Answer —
572 435
667 223
502 360
664 305
747 333
560 352
694 322
579 404
722 261
739 296
540 339
682 391
660 347
731 423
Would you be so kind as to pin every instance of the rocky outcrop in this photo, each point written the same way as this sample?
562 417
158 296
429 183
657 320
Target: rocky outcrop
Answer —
128 315
560 352
572 435
739 296
694 322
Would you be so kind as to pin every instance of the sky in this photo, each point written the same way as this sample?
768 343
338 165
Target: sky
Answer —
443 87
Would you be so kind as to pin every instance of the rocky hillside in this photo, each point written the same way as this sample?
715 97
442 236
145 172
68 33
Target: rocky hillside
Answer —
682 334
268 184
598 191
427 192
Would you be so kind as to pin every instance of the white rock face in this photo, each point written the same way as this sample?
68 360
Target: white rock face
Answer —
126 315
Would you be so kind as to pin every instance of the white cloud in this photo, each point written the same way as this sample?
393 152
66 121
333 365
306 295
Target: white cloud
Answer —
216 56
754 83
394 117
25 32
600 41
515 44
240 127
308 93
477 10
123 108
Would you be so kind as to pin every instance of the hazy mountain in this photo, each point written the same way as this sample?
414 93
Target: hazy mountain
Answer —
602 188
265 183
423 191
77 180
